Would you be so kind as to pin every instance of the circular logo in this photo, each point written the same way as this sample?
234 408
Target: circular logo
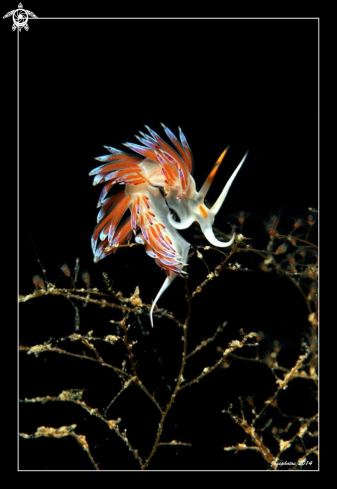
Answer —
20 18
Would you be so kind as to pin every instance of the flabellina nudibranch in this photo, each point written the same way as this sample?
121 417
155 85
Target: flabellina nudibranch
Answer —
155 183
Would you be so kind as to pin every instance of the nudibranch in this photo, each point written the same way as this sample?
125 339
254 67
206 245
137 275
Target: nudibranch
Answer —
155 183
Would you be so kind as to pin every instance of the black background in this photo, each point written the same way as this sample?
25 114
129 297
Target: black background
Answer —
251 84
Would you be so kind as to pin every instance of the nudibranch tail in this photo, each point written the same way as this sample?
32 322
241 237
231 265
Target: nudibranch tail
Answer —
155 183
169 279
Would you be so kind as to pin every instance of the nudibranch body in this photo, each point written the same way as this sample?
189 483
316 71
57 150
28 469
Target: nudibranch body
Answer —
155 183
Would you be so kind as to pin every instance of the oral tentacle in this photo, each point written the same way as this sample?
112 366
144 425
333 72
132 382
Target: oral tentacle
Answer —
209 235
204 189
182 224
217 205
